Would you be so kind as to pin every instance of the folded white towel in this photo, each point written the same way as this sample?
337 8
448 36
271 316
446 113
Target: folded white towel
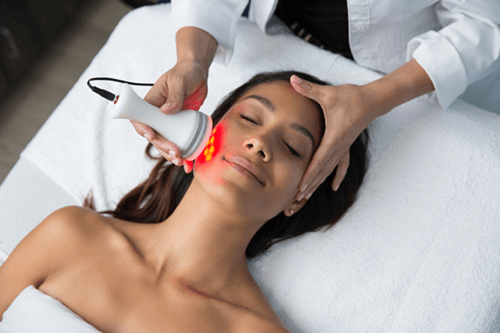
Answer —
35 312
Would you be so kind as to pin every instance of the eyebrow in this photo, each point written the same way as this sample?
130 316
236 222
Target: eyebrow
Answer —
270 106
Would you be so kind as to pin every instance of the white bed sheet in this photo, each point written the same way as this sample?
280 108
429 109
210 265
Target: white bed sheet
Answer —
27 196
419 250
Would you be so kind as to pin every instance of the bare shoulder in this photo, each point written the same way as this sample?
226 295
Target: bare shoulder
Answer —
59 237
54 242
75 221
62 233
87 225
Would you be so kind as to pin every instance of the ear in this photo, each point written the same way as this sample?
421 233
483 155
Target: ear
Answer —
294 207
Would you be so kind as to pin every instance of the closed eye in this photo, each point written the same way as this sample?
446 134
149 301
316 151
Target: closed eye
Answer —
248 119
293 151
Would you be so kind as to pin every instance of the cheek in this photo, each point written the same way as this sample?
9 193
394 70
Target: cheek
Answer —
204 164
284 188
213 145
289 177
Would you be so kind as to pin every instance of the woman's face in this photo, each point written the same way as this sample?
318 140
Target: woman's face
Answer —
276 131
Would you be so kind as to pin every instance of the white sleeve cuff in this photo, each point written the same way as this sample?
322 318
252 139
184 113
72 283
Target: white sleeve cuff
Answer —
443 64
217 19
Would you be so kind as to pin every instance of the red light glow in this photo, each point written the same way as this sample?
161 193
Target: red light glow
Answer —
212 147
195 100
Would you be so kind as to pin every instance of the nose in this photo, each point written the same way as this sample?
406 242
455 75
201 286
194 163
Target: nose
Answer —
256 145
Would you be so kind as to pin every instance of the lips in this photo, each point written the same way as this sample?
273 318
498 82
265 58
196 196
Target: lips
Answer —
245 164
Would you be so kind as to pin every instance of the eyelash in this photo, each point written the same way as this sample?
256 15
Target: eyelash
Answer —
293 151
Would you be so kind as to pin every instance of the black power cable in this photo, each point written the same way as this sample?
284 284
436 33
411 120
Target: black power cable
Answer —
108 95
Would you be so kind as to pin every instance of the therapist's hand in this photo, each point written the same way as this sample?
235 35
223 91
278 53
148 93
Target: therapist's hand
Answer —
181 88
348 110
347 113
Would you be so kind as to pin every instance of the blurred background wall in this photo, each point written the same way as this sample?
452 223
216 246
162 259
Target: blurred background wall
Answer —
44 48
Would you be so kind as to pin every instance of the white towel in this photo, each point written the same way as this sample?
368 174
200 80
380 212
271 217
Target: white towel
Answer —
35 312
419 250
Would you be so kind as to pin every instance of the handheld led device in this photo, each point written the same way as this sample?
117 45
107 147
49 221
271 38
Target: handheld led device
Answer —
190 130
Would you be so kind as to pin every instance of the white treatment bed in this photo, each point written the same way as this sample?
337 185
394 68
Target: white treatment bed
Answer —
418 252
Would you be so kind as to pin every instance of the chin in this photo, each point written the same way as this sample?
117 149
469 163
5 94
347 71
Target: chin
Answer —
232 191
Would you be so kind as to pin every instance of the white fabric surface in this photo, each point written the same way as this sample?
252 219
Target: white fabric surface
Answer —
457 42
419 250
35 312
27 196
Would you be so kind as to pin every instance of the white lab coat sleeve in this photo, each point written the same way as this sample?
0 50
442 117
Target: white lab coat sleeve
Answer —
217 17
461 52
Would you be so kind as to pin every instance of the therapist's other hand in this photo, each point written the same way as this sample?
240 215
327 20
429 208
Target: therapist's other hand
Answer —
183 87
346 109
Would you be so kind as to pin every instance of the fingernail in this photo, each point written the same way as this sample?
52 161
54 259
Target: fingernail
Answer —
175 161
167 106
303 188
337 187
171 153
300 197
308 196
298 79
147 137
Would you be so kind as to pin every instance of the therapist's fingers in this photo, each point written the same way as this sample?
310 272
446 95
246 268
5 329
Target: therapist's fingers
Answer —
188 166
143 130
175 98
315 175
167 149
159 92
187 87
183 87
323 161
308 89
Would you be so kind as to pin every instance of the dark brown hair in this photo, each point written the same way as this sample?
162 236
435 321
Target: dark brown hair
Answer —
155 199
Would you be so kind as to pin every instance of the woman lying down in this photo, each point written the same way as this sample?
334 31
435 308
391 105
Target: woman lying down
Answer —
173 254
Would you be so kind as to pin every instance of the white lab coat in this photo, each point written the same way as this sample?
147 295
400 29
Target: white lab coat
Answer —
457 42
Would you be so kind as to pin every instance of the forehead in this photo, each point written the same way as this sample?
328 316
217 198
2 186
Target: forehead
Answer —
289 105
280 92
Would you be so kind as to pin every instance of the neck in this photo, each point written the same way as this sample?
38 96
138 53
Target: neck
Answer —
201 243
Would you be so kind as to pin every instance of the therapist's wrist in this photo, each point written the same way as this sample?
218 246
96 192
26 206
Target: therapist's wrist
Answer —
378 99
398 87
196 45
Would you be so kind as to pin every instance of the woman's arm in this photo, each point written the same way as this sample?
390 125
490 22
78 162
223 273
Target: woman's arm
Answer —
39 254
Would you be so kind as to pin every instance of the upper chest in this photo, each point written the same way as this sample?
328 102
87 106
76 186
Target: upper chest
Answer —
112 289
114 300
